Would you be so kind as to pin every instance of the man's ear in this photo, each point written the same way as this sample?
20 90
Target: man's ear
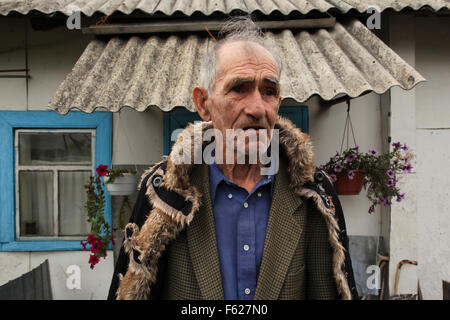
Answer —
200 96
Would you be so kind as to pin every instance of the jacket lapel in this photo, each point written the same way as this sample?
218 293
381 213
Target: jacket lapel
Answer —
282 236
201 237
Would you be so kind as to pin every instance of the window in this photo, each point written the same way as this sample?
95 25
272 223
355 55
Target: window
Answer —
180 117
46 160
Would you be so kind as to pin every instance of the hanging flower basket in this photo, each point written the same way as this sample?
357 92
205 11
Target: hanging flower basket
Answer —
349 183
122 186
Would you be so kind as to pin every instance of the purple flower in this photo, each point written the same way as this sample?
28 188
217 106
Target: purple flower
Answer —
338 168
357 149
407 168
351 174
333 177
387 203
373 152
390 173
395 163
405 148
400 197
397 145
390 183
351 158
371 209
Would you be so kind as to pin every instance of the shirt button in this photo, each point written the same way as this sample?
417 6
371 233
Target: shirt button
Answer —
259 194
247 291
246 247
230 196
245 205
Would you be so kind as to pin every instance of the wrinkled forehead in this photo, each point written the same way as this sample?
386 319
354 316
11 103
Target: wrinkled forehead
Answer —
238 53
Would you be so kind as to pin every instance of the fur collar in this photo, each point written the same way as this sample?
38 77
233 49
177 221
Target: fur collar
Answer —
164 222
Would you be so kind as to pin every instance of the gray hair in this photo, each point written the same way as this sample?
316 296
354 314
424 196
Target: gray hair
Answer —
235 29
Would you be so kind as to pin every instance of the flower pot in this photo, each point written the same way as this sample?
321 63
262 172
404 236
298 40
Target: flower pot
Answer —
122 186
346 186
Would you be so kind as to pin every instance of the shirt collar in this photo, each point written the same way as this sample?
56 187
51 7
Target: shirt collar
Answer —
216 177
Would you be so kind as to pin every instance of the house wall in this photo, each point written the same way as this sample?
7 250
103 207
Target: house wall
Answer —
432 138
93 283
419 226
51 55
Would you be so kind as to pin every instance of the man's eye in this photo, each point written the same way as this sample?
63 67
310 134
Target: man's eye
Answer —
237 89
270 92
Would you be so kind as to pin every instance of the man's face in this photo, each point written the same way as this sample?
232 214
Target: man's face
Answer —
246 93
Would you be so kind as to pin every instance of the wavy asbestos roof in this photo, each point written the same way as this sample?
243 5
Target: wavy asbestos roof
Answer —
207 7
141 72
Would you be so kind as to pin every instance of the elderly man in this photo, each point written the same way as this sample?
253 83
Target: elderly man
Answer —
228 229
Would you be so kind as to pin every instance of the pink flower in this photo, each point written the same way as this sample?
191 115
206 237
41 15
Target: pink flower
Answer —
373 152
390 173
351 158
400 197
333 177
102 170
351 175
407 168
338 168
396 145
91 239
93 260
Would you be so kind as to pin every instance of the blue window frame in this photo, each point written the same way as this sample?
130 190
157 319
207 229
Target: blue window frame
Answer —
12 120
180 117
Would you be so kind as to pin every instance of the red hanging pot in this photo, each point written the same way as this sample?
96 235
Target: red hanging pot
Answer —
346 186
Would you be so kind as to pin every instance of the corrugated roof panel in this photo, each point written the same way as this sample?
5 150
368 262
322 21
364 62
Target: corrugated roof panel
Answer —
207 7
153 71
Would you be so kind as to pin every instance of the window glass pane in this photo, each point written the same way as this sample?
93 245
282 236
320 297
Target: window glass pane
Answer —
36 203
41 148
72 198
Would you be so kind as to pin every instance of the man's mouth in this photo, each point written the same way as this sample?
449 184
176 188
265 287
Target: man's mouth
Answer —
253 127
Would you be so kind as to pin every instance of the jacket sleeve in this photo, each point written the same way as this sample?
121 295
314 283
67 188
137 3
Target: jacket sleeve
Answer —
141 208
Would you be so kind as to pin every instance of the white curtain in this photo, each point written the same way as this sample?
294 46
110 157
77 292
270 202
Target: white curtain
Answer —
72 198
36 202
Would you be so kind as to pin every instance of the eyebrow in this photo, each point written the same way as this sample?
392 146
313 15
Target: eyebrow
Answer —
240 81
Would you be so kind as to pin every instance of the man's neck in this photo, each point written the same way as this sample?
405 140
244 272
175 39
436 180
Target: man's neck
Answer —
246 176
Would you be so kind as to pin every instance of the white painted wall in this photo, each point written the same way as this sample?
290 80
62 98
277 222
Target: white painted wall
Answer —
51 56
404 237
433 155
420 227
94 283
138 136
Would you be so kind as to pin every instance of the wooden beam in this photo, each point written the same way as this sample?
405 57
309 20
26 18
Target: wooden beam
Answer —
192 26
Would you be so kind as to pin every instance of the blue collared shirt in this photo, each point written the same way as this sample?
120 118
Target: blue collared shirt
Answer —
240 221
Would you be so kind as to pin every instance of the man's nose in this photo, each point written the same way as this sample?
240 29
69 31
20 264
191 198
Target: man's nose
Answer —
255 105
